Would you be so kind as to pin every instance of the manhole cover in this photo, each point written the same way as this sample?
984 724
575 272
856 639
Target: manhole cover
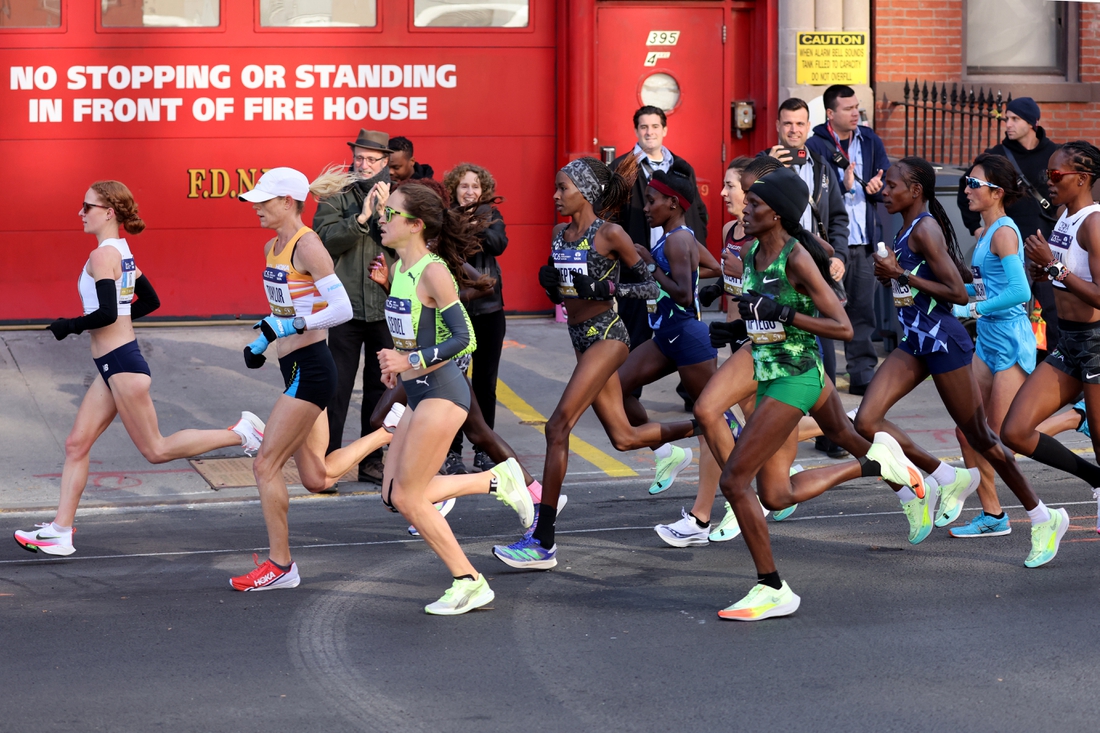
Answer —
236 473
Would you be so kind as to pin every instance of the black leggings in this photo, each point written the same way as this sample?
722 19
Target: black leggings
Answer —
489 330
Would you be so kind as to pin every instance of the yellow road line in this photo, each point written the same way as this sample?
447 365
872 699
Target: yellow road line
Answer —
587 451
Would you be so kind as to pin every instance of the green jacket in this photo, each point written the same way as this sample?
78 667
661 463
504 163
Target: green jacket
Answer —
354 247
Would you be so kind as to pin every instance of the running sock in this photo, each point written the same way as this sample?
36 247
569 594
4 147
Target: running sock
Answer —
699 521
906 495
696 428
58 528
944 474
770 579
867 467
284 568
464 577
995 516
663 452
535 490
494 482
1056 455
1039 514
544 528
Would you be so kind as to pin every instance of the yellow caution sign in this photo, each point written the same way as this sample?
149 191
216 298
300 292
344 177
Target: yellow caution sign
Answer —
832 58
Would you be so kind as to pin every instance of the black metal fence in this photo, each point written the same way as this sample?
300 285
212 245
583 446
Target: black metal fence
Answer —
951 128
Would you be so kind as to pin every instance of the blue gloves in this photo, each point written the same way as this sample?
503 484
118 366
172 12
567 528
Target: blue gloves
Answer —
271 328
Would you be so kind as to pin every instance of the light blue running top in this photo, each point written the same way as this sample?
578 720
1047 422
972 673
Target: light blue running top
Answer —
990 278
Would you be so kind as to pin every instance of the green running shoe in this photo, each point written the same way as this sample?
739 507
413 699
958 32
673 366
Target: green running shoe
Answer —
669 468
463 595
954 494
919 513
763 602
728 528
512 490
894 466
782 514
1045 538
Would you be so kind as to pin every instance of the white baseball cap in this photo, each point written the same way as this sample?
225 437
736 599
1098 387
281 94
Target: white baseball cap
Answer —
278 182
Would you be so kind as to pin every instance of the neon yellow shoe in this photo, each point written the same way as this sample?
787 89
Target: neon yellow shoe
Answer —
954 494
463 595
1045 538
894 465
763 602
919 513
782 514
669 468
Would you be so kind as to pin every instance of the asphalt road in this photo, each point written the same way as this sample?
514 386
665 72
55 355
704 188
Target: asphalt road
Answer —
140 631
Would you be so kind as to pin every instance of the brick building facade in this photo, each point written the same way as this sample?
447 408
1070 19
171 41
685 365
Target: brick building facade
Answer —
927 41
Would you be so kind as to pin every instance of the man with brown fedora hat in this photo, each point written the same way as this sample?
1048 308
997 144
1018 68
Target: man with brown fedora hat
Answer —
347 224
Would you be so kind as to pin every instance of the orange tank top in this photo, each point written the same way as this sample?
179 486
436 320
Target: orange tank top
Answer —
290 293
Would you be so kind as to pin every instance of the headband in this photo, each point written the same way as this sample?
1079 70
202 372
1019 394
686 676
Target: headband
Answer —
584 179
670 192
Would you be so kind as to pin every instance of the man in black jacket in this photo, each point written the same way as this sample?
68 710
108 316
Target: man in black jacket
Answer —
1029 145
651 127
825 214
403 166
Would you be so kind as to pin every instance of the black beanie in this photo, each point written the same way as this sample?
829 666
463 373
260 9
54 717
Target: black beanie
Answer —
1026 109
784 192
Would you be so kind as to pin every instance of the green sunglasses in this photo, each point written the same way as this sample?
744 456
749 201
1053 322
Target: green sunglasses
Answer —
388 212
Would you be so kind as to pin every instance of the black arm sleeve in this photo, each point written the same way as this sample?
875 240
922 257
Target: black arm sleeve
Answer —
462 335
106 314
147 300
646 289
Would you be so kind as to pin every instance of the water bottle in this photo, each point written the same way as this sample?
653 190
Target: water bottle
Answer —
880 249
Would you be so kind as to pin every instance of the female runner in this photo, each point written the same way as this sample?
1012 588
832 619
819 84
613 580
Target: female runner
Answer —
430 328
789 299
306 299
108 284
1005 348
925 273
587 255
680 340
1072 260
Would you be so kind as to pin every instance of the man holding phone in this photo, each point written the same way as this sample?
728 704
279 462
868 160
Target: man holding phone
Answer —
825 215
347 224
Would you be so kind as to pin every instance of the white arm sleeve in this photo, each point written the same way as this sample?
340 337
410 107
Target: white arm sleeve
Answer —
339 306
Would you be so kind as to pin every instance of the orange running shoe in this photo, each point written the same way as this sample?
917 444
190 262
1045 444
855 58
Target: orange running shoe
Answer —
267 576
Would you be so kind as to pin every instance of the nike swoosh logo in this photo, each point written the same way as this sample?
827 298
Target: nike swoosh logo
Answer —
45 537
773 280
1092 376
673 339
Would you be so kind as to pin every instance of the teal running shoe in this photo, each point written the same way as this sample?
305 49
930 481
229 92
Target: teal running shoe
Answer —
669 468
1079 408
919 513
954 494
527 554
728 529
1045 538
782 514
983 525
463 595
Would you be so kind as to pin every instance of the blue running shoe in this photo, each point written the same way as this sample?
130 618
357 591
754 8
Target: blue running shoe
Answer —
983 525
527 554
736 420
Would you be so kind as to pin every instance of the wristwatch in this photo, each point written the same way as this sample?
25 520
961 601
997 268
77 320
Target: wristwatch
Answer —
903 278
1056 270
652 267
299 324
414 360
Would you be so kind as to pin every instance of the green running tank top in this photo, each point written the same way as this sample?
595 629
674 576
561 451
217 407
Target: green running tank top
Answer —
778 350
413 325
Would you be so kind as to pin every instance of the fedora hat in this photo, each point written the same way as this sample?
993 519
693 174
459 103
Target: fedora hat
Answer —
372 140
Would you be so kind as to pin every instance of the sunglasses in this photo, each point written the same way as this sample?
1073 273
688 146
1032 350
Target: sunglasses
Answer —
1057 176
88 207
388 212
976 183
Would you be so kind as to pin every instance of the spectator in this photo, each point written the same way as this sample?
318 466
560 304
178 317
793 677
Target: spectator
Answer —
861 162
651 127
347 224
825 214
402 165
470 184
1028 148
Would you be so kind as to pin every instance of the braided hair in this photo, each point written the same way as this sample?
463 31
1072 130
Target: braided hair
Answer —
1085 157
761 166
920 172
616 187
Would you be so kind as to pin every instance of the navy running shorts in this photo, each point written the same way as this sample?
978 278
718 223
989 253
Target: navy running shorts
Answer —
125 359
309 374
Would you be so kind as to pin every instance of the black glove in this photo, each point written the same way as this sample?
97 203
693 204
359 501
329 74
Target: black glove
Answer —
549 277
722 333
61 328
754 306
590 288
709 294
252 360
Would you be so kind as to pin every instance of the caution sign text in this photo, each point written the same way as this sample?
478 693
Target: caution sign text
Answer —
832 58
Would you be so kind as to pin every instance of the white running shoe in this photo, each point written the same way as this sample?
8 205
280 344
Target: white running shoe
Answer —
251 430
393 417
1096 493
463 595
46 539
685 532
443 507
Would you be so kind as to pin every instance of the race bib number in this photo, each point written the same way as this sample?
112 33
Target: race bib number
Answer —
278 292
979 284
126 291
400 322
765 332
651 306
903 294
732 284
570 262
